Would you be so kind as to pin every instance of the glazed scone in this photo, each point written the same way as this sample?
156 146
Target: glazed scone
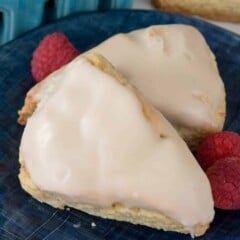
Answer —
224 10
176 72
94 143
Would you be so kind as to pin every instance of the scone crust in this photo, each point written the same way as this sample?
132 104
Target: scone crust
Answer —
212 9
115 211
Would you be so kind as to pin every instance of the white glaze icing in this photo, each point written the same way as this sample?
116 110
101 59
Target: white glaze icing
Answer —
174 69
89 141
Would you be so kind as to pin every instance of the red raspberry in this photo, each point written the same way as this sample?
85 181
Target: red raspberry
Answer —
53 52
224 177
218 146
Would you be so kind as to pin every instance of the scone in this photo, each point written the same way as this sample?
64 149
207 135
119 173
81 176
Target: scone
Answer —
176 72
224 10
93 143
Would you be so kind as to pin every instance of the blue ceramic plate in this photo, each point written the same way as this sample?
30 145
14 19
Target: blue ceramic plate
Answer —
22 217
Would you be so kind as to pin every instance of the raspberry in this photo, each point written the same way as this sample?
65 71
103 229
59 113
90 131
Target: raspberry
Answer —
224 177
218 146
53 52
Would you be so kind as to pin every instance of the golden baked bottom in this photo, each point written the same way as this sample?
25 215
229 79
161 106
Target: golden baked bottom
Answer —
116 211
224 10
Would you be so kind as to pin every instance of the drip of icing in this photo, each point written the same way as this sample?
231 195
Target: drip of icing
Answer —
89 141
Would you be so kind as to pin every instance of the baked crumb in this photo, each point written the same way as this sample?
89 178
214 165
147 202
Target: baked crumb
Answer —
93 225
77 225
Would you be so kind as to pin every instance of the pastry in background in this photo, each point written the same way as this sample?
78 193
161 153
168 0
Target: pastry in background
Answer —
176 72
93 143
222 10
